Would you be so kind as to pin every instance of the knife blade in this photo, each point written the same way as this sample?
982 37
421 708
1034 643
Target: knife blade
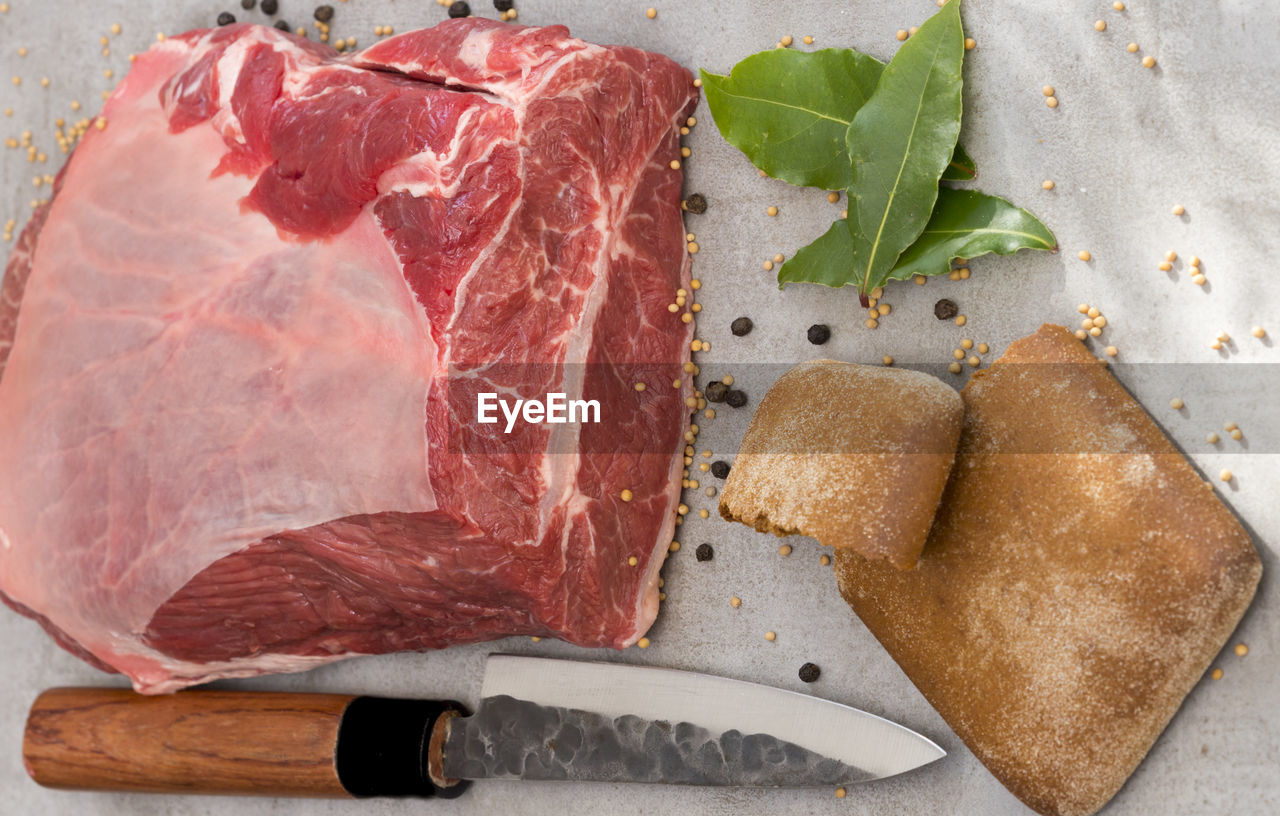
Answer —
554 719
537 719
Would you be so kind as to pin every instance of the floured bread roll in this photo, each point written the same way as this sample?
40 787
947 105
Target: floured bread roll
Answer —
1077 583
856 456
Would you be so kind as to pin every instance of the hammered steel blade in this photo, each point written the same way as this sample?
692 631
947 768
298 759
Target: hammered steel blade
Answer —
561 719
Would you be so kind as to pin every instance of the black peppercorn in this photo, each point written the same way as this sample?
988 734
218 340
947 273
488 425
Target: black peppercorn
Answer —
324 13
282 25
704 552
503 5
270 6
741 327
226 18
810 672
248 4
716 392
696 204
459 8
945 309
735 398
819 333
720 469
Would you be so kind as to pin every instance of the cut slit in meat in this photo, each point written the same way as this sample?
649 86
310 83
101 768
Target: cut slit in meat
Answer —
237 428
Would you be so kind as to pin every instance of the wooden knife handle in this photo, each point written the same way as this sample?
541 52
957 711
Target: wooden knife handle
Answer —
233 742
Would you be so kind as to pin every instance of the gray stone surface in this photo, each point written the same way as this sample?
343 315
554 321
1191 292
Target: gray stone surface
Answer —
1125 145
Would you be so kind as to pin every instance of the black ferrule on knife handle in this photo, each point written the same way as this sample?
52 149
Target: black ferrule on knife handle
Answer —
384 748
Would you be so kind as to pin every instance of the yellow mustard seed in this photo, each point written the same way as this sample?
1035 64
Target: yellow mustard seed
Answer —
786 41
643 643
966 343
983 348
1081 334
1100 25
887 360
824 560
1211 438
807 40
1084 255
735 602
974 361
1176 404
771 210
1112 351
1178 209
902 34
632 561
651 13
626 495
1083 308
1199 280
771 636
1237 434
784 550
884 309
1225 475
841 793
1217 674
1241 650
1230 426
1047 90
1132 48
1117 5
970 43
954 368
1047 184
1148 62
871 323
1165 266
961 320
1052 101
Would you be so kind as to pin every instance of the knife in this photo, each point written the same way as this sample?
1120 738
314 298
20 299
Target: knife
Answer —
538 719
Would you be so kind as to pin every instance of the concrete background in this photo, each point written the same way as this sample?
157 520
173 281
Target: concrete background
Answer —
1124 146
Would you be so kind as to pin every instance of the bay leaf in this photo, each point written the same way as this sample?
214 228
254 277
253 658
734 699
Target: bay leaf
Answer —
789 110
966 224
828 260
961 167
900 142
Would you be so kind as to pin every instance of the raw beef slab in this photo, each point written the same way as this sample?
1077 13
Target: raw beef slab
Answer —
240 348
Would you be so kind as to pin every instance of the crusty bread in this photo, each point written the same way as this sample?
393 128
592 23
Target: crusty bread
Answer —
856 456
1078 581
